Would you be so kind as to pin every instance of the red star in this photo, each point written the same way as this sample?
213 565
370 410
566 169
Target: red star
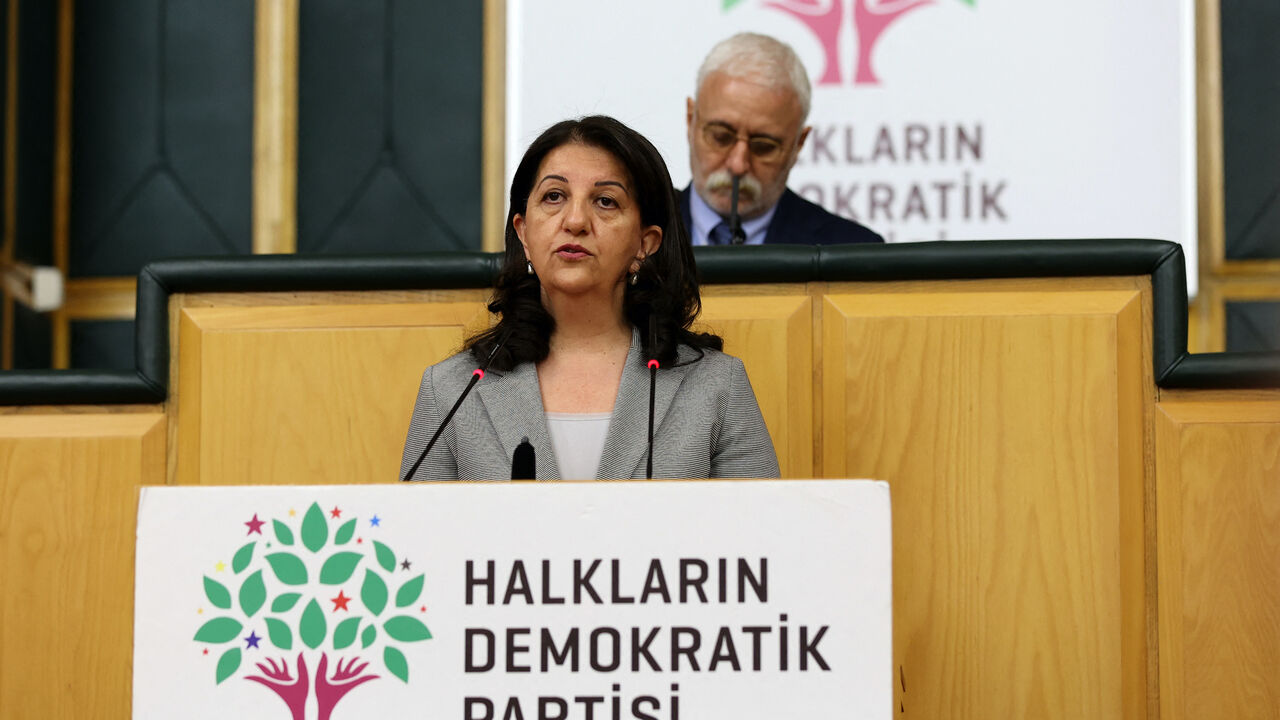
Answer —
340 602
335 513
255 525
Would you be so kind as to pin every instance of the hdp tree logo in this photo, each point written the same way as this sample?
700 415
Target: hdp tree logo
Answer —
825 19
295 606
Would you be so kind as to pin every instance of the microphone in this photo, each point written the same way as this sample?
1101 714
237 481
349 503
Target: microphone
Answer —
524 461
475 378
735 222
653 382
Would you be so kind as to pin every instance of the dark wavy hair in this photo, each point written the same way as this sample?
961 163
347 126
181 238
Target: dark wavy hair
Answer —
666 288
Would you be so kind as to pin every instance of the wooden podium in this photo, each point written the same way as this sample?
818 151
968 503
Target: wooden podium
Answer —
1083 519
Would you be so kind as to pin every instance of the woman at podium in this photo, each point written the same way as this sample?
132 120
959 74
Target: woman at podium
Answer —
593 352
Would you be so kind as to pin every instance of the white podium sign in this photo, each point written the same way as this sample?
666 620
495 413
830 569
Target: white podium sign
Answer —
496 601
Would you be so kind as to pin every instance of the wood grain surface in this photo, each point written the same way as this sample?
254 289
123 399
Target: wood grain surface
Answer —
305 394
773 336
1218 490
1009 426
68 507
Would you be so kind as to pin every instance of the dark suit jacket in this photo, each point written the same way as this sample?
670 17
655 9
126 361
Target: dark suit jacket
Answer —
800 222
706 422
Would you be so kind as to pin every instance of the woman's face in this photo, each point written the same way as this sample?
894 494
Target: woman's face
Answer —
581 227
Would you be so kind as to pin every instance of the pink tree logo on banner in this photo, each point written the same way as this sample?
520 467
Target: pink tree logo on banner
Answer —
825 19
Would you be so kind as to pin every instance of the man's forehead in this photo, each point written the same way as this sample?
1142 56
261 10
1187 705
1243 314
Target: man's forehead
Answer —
748 103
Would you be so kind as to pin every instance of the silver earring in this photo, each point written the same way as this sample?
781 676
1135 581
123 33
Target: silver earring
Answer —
528 266
635 278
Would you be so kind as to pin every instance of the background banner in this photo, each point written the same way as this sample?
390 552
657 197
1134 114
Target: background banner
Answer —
658 600
932 119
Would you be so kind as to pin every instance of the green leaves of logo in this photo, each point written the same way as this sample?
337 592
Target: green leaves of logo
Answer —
345 633
292 598
288 568
284 535
386 558
227 664
280 634
395 662
253 593
409 592
339 567
313 627
373 593
345 532
217 593
406 629
218 630
315 530
243 556
285 602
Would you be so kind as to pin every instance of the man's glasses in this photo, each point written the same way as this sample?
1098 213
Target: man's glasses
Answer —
722 138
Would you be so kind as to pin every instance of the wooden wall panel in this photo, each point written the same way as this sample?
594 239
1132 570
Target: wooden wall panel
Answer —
1218 523
306 394
1009 425
68 508
773 336
770 329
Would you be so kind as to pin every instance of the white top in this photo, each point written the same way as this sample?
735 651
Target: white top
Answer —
578 441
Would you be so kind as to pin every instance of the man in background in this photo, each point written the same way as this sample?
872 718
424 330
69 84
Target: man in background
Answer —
748 121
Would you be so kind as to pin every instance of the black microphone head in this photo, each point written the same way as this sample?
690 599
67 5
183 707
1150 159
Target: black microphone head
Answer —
524 462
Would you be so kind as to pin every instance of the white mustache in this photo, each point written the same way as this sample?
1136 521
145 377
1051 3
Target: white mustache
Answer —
748 187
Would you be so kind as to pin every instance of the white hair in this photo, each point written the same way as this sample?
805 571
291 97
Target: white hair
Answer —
759 58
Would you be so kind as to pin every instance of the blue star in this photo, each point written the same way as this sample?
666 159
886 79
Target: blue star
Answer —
375 521
251 641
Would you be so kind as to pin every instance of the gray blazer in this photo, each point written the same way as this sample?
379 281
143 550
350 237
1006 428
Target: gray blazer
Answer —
706 423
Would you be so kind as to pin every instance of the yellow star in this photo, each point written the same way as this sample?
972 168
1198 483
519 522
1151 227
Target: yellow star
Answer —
292 512
199 611
220 566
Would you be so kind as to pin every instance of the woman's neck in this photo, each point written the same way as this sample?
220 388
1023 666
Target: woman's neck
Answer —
587 325
588 351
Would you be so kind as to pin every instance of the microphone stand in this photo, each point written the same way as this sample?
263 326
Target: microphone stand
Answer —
735 222
475 378
653 388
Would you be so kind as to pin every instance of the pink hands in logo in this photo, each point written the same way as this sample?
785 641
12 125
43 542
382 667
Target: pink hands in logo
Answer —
329 692
824 19
293 693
